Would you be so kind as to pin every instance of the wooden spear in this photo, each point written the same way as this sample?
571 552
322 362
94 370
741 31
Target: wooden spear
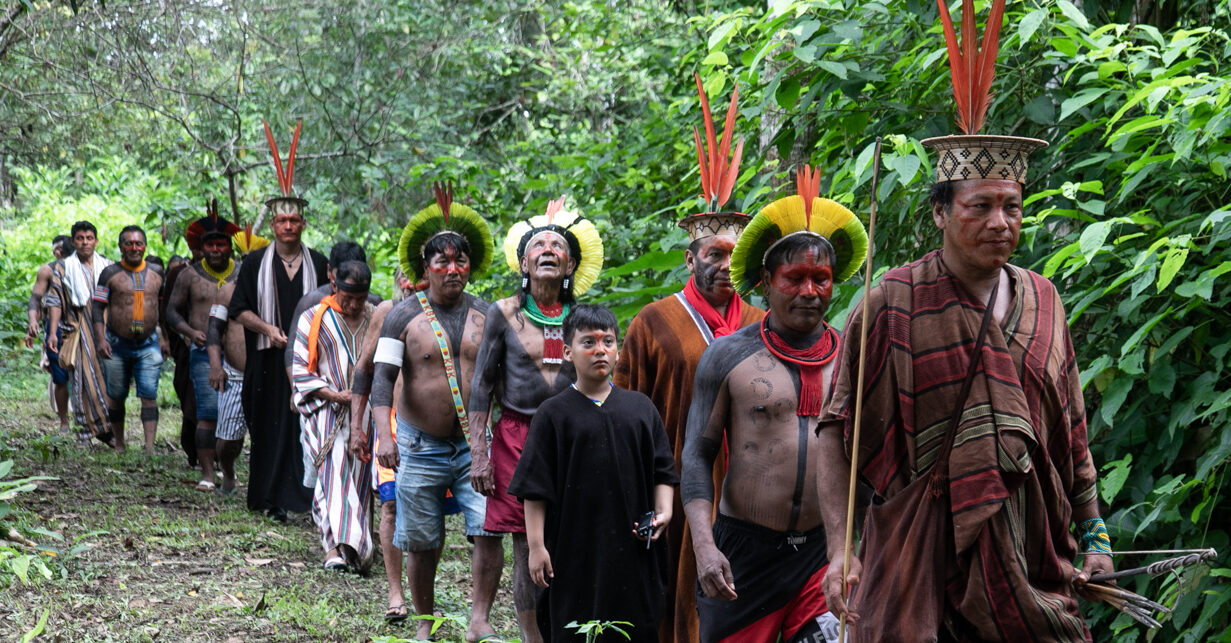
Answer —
863 349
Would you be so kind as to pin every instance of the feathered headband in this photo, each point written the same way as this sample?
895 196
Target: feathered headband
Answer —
584 243
210 224
972 69
802 213
288 203
719 170
445 217
245 241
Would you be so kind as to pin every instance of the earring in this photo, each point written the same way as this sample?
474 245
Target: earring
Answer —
525 280
567 283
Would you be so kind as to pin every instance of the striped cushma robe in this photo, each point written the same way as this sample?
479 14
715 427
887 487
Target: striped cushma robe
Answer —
1020 461
342 489
87 388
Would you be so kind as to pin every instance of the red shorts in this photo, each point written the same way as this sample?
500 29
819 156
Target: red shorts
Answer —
505 514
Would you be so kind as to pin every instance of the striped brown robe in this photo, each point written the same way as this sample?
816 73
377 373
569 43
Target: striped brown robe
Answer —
1020 462
659 357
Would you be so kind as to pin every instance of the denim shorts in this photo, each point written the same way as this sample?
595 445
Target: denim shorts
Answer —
207 397
140 360
428 467
58 375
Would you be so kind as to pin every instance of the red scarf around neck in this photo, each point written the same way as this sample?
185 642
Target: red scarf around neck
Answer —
811 362
719 325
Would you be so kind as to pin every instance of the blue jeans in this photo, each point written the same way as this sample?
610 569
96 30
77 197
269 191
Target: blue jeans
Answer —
140 360
198 372
428 467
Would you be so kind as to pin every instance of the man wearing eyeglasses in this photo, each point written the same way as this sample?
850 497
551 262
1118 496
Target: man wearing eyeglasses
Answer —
129 345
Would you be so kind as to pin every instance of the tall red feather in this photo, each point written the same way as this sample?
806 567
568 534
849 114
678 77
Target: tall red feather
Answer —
290 161
706 193
444 196
808 186
972 69
273 149
711 146
719 170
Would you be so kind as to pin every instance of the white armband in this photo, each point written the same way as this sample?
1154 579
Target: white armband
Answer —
389 351
218 311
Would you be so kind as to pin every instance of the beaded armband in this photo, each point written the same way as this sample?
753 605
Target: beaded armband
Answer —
1093 537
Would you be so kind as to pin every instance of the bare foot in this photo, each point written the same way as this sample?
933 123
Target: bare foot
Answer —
479 631
424 630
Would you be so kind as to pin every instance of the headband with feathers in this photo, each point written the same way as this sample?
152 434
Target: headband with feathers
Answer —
801 213
445 217
584 243
211 223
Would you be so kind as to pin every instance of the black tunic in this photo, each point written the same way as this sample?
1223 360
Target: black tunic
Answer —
596 468
275 469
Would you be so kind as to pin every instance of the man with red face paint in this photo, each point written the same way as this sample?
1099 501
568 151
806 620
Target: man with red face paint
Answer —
1020 481
198 289
129 346
521 357
760 562
431 340
661 350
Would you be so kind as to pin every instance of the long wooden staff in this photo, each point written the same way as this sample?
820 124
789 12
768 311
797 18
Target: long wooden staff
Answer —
863 350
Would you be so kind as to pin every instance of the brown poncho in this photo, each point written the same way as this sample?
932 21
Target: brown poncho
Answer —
1020 460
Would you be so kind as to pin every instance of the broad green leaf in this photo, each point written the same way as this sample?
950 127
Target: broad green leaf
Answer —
1141 332
1113 477
804 29
907 167
787 94
1080 100
715 58
720 34
1113 398
835 68
1041 110
1030 24
1203 285
1172 262
1093 237
1074 14
1096 367
1162 377
806 53
1058 258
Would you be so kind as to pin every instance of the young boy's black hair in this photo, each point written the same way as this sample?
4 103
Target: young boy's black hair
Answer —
590 317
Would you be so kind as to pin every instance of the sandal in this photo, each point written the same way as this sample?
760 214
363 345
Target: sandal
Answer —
335 564
396 613
206 485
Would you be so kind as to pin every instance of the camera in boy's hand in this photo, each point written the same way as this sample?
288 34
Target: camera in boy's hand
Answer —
645 527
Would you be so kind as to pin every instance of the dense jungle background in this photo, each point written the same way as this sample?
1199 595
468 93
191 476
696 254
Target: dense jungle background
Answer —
139 111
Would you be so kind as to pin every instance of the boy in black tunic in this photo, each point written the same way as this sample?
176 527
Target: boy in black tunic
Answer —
596 459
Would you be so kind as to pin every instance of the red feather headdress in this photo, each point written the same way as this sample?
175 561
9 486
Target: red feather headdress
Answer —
719 170
197 230
972 69
287 175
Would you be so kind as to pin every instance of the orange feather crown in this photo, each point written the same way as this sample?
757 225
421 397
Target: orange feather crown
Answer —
972 69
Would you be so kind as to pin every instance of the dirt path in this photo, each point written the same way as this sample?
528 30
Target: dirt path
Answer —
169 563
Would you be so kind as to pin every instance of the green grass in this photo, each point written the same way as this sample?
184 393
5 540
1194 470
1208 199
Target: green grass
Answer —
165 562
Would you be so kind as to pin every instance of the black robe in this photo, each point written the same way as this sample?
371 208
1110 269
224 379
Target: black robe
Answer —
596 468
275 468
